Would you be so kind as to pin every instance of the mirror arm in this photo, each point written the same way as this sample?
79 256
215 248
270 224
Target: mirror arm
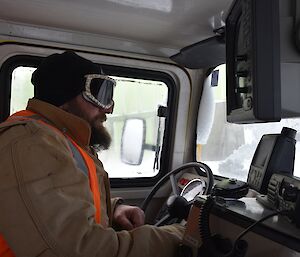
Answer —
149 147
161 113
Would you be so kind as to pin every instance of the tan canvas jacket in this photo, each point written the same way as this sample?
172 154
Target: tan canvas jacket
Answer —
46 204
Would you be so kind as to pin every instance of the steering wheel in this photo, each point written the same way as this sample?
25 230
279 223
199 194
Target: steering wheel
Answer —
176 202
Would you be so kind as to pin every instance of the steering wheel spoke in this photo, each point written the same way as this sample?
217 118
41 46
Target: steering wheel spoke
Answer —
163 220
174 185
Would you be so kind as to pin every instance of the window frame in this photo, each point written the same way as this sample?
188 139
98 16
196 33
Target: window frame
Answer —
15 61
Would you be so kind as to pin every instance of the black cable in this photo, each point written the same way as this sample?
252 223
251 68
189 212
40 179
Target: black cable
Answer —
284 212
213 245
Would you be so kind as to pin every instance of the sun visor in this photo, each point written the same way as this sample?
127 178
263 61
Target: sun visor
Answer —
207 53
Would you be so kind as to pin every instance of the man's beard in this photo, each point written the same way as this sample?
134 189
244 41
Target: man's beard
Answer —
100 137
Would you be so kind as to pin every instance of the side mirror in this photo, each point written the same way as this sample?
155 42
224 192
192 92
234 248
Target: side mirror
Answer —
133 141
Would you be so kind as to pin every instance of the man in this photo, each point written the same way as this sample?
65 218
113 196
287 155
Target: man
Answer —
55 196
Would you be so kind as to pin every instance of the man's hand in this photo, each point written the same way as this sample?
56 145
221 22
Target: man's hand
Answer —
128 217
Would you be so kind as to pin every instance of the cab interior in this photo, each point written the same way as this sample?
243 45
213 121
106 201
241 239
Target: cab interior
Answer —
170 61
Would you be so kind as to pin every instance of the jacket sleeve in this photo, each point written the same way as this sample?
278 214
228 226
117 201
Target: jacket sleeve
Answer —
47 207
115 202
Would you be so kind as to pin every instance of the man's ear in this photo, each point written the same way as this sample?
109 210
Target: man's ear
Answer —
72 105
65 106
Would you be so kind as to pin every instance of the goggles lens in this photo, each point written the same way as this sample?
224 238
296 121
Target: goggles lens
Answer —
99 90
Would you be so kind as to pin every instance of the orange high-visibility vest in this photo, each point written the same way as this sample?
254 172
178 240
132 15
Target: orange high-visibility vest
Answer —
5 251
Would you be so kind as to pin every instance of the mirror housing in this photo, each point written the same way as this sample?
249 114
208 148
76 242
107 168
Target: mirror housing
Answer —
133 141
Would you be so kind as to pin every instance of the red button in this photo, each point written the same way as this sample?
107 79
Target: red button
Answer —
183 181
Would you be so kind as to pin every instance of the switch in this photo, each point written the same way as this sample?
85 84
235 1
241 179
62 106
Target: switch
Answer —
243 73
241 58
242 90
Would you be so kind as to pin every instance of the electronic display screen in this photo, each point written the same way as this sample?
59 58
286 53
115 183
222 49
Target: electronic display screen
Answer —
264 151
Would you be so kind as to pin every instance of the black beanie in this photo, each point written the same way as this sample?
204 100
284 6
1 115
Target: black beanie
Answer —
60 77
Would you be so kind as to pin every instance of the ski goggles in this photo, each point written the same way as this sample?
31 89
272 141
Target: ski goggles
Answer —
99 90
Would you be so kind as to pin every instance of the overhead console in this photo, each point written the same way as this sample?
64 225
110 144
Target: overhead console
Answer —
207 53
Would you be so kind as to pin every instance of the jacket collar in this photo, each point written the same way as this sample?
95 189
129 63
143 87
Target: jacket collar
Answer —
77 128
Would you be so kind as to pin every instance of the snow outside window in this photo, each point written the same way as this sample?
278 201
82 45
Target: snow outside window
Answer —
228 148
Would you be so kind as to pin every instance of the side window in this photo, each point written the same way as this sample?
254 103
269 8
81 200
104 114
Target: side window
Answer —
135 99
21 88
136 106
228 148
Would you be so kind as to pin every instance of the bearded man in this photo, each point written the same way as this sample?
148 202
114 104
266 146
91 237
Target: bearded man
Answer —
55 194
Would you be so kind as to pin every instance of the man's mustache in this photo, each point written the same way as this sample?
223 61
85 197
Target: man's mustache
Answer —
101 119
